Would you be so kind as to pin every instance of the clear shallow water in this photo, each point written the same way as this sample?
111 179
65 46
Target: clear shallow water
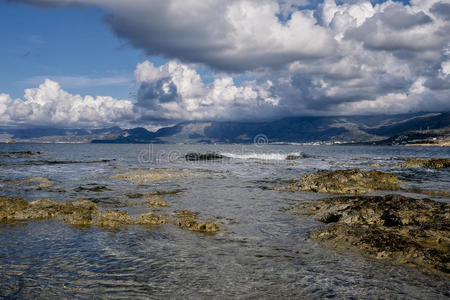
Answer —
261 252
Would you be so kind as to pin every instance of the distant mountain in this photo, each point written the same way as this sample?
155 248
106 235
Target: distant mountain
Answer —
348 129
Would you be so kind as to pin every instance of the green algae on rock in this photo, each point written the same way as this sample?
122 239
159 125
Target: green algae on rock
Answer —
394 227
150 219
353 181
433 163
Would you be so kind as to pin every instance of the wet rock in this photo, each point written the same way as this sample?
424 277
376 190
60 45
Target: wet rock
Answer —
10 206
188 220
375 165
393 227
112 218
82 213
142 176
433 163
39 209
205 156
150 219
157 202
352 181
95 188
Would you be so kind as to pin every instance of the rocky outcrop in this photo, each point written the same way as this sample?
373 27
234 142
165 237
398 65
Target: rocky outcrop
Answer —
202 156
433 163
143 176
188 220
352 181
393 227
86 213
151 219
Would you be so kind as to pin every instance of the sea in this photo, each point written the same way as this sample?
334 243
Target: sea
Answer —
261 251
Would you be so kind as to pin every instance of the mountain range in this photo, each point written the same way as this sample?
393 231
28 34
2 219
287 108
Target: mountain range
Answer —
378 129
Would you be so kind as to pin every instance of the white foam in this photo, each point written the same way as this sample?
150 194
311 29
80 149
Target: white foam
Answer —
260 156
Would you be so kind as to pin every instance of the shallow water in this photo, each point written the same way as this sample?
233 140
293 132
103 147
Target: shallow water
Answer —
262 250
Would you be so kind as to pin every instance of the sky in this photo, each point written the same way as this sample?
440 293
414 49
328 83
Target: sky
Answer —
99 63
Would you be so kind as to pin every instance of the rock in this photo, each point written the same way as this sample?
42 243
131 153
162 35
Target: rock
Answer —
206 156
82 214
94 188
434 163
188 220
142 176
39 209
157 202
393 227
112 218
352 181
297 156
375 165
10 206
150 219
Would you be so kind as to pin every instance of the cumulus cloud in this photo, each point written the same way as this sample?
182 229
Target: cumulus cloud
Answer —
50 105
175 91
350 57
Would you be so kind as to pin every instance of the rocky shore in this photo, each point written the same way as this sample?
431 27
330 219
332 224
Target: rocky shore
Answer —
394 227
433 163
86 213
353 181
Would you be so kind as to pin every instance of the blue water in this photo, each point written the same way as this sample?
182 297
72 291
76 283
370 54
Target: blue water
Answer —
261 252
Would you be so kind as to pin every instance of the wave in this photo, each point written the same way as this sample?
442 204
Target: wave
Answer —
265 156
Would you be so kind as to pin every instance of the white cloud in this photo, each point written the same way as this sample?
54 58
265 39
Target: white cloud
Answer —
50 105
346 58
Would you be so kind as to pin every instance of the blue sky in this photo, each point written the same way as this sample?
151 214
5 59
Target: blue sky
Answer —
178 60
61 43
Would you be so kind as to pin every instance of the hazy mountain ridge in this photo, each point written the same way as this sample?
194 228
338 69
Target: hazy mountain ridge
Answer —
385 129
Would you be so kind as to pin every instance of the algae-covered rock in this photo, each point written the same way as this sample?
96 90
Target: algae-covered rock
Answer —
188 220
112 218
434 163
352 181
393 227
82 214
150 219
142 176
10 206
157 202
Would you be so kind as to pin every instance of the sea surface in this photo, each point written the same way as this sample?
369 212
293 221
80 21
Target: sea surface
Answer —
262 251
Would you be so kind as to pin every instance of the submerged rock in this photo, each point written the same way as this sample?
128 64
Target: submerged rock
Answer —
393 227
157 202
142 176
205 156
188 220
352 181
434 163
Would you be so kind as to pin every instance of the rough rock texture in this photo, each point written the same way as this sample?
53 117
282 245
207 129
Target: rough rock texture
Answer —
352 181
142 176
434 163
86 213
112 218
9 206
150 219
83 213
188 220
157 202
393 227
